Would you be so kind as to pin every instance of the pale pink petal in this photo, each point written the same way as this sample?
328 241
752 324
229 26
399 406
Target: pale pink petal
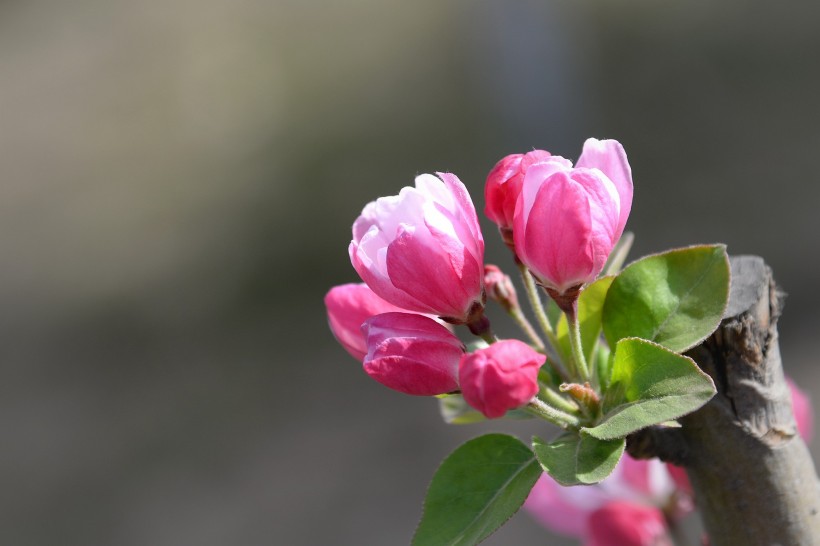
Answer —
609 157
465 215
564 510
535 177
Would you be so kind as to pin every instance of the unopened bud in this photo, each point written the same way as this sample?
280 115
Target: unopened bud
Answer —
500 288
584 394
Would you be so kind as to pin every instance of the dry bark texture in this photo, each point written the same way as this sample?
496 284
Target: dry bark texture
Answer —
753 477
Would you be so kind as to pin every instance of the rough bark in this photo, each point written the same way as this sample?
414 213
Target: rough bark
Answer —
753 477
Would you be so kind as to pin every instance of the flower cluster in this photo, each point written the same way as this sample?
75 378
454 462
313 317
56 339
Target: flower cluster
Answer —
421 256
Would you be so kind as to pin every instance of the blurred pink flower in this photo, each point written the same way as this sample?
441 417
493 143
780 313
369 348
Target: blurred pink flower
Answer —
501 377
412 354
567 220
567 510
803 413
622 523
422 249
348 306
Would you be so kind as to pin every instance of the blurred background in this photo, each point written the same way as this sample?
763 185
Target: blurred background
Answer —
178 183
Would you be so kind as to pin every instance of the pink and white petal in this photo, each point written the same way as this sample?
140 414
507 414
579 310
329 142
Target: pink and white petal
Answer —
467 216
417 264
610 158
380 283
536 176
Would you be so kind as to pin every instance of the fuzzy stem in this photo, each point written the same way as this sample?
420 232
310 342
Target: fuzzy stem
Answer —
557 417
541 316
575 343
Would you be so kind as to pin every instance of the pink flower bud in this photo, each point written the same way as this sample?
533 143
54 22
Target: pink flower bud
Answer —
412 354
623 523
348 306
504 184
502 377
422 250
500 287
567 220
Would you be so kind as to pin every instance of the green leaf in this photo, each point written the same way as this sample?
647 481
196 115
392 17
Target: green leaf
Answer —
602 363
650 385
590 308
676 298
578 459
456 411
476 490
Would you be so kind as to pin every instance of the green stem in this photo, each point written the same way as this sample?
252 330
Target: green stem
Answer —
522 322
575 342
541 316
554 416
535 301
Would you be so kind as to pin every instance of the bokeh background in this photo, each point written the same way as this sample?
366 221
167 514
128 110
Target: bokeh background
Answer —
178 182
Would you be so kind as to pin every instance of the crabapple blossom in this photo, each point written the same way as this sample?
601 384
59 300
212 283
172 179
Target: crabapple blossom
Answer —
567 220
422 249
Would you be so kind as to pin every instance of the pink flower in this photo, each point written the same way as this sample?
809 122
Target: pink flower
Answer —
567 220
501 377
622 523
412 354
422 250
567 510
348 306
504 185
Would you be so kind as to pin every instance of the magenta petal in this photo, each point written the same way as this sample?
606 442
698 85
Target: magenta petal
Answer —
382 286
557 243
412 354
501 377
445 278
609 157
348 306
622 523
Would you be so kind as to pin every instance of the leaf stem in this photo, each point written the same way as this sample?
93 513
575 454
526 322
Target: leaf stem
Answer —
521 320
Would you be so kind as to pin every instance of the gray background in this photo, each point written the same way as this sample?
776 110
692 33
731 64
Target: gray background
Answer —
178 183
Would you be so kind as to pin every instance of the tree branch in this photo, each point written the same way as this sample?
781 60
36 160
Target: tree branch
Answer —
753 476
